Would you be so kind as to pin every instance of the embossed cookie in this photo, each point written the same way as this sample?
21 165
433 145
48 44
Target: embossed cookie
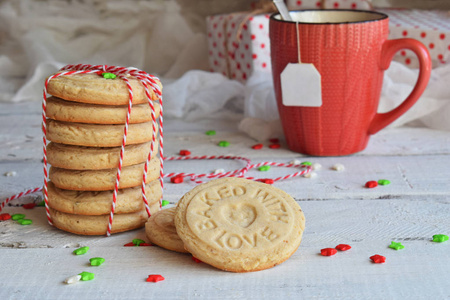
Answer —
239 225
160 230
99 203
93 135
103 180
69 111
97 225
93 88
96 158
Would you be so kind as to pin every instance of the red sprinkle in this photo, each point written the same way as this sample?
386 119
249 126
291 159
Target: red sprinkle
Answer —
343 247
29 205
185 152
4 217
328 251
177 179
274 146
145 245
274 141
266 180
155 278
129 245
371 184
378 259
196 259
257 146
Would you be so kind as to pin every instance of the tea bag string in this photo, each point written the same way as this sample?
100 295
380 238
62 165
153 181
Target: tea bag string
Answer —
298 42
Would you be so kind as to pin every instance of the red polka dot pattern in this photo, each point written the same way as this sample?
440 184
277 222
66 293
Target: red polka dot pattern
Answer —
336 4
429 27
245 42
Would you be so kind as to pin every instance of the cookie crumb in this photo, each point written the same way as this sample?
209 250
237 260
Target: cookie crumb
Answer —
72 279
295 162
316 166
310 175
338 167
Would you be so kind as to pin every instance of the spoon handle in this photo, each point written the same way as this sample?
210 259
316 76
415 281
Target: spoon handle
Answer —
283 10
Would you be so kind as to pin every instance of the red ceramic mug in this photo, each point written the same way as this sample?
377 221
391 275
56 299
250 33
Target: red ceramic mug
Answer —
350 50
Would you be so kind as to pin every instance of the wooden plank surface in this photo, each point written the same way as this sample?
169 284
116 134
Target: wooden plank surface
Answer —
36 259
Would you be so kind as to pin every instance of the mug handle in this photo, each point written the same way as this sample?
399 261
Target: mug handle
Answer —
390 47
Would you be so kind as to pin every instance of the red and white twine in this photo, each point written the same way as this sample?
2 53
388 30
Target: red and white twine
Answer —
237 173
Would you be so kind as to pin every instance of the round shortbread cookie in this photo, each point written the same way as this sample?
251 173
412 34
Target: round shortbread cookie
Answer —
97 225
94 89
99 203
160 230
239 225
103 180
69 111
90 135
96 158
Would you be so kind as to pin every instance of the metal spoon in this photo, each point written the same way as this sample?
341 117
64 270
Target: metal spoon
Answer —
283 10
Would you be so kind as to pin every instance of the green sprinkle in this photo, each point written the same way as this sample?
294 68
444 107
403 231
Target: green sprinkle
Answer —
164 203
224 144
264 168
17 217
306 163
109 75
80 251
210 132
440 238
396 246
86 276
97 261
383 182
42 203
24 221
137 242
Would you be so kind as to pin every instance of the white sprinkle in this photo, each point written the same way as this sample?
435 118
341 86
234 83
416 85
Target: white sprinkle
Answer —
73 279
295 162
10 174
219 171
310 175
338 167
316 166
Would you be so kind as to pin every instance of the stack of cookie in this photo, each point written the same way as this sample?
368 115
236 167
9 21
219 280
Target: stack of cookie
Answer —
233 224
85 124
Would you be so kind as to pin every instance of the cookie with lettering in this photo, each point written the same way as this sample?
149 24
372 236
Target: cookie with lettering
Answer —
239 225
161 231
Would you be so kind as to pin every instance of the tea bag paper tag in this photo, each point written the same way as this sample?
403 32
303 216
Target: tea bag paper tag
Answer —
301 85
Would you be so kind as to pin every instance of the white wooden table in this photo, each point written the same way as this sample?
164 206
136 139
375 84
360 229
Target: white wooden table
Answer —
36 259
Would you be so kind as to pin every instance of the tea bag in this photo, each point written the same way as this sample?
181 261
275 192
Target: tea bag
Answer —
301 82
